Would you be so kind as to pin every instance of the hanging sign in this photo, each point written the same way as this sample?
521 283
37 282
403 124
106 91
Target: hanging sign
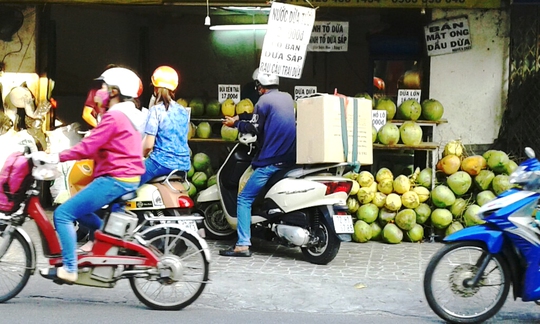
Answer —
285 43
304 91
229 91
329 36
378 118
448 36
448 4
406 94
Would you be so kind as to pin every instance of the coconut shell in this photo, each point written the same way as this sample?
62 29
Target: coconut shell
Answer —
473 164
449 164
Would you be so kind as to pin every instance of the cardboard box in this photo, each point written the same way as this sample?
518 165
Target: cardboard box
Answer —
319 129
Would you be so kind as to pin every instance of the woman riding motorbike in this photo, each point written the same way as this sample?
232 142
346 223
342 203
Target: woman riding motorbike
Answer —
166 141
115 147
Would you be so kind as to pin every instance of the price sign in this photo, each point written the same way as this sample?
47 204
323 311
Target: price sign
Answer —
406 94
229 91
378 118
304 91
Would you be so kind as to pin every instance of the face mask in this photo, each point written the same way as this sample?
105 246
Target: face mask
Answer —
102 98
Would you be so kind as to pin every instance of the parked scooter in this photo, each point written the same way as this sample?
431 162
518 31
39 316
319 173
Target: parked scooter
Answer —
297 208
162 196
468 279
166 265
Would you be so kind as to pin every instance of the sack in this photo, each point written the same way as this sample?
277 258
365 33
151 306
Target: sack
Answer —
15 177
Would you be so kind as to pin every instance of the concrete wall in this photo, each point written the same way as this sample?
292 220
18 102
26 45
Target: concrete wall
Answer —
472 85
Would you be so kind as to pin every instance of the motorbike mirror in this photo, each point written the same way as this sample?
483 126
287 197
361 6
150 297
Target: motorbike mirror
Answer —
530 152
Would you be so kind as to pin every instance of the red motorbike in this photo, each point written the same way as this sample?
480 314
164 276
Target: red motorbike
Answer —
167 265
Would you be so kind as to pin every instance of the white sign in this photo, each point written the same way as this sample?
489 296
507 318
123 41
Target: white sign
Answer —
284 47
304 91
329 36
406 94
447 36
378 118
229 91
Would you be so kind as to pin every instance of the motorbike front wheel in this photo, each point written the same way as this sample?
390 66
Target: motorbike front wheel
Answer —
215 222
447 289
187 266
15 266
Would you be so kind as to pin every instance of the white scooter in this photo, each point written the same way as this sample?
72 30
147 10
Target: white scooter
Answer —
301 206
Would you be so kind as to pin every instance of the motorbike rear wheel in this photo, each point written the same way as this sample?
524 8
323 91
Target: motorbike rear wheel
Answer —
188 271
446 289
325 249
15 266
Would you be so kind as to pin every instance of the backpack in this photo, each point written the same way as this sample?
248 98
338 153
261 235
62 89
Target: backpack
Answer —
15 177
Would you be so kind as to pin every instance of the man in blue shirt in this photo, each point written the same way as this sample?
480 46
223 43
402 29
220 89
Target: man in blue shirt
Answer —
274 124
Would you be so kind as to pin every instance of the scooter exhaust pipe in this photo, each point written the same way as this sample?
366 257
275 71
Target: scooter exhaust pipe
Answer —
294 234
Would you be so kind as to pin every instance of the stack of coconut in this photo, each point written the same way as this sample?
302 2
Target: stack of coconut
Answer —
392 208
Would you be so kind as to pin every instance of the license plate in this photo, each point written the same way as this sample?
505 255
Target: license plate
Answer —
343 224
189 224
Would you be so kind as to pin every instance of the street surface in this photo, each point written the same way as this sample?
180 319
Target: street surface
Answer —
368 283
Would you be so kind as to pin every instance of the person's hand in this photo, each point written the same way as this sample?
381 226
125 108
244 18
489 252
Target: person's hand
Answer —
229 121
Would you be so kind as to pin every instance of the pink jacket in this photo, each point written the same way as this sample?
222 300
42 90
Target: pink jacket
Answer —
114 145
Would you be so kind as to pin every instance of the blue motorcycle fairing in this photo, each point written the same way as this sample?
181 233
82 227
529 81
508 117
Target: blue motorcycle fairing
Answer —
483 233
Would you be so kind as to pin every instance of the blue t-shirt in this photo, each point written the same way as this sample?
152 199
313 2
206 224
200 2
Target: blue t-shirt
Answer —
170 127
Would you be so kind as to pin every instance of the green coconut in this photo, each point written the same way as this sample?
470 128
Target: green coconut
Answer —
362 232
458 207
501 183
470 216
441 218
376 231
368 213
406 219
484 197
442 196
483 179
392 234
459 182
424 178
416 234
423 211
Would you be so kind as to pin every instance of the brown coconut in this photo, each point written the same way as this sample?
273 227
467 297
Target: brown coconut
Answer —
449 164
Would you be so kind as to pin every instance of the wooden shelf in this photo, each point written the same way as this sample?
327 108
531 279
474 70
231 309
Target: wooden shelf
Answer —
209 119
425 146
210 140
421 122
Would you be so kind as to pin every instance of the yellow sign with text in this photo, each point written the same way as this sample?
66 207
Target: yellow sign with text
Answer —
451 4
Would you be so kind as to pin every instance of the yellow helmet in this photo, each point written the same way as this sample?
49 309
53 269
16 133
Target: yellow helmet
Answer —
165 77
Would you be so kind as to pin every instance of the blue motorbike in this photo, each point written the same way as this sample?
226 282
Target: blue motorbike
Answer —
469 278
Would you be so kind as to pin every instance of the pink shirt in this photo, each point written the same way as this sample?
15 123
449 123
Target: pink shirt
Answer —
114 145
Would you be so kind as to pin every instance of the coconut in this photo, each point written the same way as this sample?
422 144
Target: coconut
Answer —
471 216
362 232
393 202
392 234
364 195
449 164
424 178
432 109
401 184
373 187
386 186
454 148
388 134
459 182
386 216
416 234
410 133
473 164
352 205
351 175
442 196
410 199
365 179
379 199
388 105
483 179
368 213
484 197
501 183
406 219
423 211
458 207
497 161
510 167
441 218
354 189
409 110
384 173
373 134
422 192
376 231
454 227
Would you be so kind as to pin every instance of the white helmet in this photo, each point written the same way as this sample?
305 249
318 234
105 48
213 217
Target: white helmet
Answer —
255 74
126 80
267 79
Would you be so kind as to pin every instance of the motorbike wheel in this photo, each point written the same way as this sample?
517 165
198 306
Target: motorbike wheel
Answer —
215 222
188 267
326 247
15 266
447 273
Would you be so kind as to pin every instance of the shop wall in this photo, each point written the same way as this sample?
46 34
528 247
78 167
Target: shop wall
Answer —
472 84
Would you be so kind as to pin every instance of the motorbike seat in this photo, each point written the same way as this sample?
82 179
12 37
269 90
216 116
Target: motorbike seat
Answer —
177 176
125 197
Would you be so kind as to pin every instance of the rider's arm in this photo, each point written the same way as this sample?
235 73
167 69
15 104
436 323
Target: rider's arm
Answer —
87 116
148 144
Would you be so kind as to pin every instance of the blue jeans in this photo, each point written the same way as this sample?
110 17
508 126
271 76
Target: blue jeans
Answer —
153 169
253 186
81 208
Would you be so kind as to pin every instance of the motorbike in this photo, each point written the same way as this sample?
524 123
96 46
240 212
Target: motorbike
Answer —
296 208
469 278
162 196
166 264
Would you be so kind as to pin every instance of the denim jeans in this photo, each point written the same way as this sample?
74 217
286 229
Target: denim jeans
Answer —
153 169
81 208
252 188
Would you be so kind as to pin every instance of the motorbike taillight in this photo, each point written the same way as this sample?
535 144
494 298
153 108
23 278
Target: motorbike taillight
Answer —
185 202
338 186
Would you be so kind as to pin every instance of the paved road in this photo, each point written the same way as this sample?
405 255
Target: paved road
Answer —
372 280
